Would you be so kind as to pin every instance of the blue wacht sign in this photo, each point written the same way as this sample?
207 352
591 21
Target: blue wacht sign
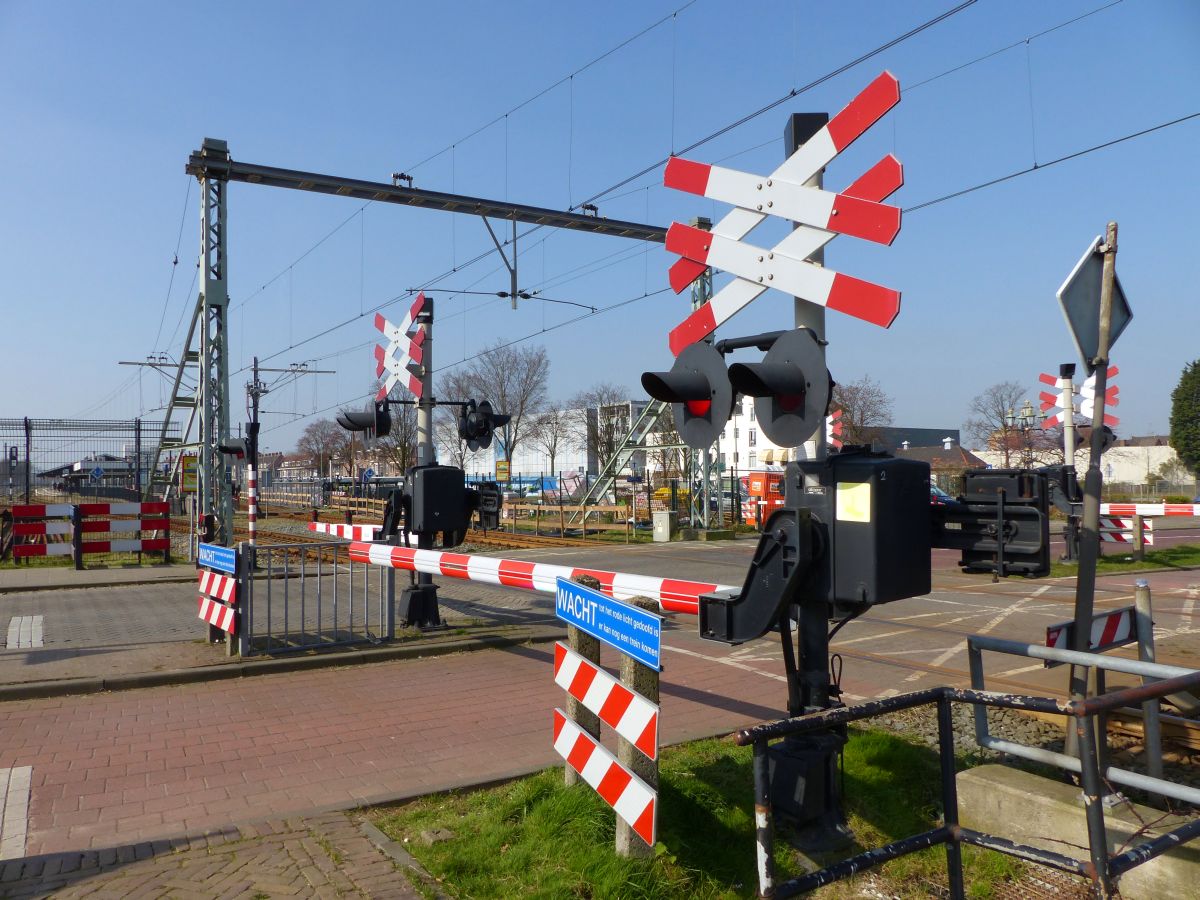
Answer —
223 559
633 631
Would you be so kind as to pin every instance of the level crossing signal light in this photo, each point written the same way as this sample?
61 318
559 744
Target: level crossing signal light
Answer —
478 422
790 385
238 448
376 420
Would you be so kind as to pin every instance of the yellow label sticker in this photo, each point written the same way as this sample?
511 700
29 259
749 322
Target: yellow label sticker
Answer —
854 501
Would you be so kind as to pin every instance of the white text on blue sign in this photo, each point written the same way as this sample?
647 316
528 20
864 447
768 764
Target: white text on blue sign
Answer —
223 559
633 631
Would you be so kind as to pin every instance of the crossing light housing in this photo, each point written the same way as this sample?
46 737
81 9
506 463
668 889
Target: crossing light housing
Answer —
376 420
478 422
698 389
238 448
791 387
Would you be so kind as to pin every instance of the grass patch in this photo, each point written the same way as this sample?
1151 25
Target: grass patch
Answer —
1181 556
536 838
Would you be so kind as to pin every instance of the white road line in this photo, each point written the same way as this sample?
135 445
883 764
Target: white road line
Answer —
1034 668
24 632
15 817
917 616
1189 605
727 662
951 651
874 637
1042 590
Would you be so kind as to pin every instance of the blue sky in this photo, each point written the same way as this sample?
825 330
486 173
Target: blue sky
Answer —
103 102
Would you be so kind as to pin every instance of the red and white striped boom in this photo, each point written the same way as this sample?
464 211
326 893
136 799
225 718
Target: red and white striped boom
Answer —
672 595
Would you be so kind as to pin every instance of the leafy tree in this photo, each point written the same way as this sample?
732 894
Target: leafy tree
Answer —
988 424
321 441
514 379
1185 416
866 408
611 402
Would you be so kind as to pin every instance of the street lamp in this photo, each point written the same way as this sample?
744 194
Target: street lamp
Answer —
1025 420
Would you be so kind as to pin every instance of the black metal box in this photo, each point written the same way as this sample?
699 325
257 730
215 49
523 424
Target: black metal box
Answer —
438 500
872 513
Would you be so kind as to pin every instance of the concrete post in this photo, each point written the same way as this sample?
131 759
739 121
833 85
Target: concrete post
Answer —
640 679
589 648
1139 538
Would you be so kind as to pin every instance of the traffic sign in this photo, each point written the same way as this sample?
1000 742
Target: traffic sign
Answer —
821 216
368 474
97 473
213 556
633 631
401 352
1079 298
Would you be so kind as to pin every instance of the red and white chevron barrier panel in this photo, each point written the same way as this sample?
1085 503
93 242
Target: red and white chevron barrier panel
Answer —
218 586
834 428
1109 629
630 714
822 215
216 613
1120 531
1150 509
401 351
672 595
1087 397
349 532
161 522
1054 404
630 797
41 510
218 600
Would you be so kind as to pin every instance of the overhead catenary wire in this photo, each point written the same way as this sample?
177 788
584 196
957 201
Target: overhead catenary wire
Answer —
174 260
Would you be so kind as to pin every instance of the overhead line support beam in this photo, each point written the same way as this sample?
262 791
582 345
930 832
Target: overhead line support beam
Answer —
230 170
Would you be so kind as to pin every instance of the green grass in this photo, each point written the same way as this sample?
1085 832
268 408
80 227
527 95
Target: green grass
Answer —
536 838
1181 556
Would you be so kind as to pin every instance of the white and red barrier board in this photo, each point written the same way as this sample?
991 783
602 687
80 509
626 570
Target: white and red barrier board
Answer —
821 216
1150 509
218 600
1110 629
152 517
630 797
60 527
672 594
630 714
1120 531
349 532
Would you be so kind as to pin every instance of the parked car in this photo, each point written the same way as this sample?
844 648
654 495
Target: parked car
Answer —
938 497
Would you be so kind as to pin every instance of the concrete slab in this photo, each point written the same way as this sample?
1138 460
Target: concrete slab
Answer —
1037 811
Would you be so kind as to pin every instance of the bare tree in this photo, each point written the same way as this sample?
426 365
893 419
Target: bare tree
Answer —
668 462
321 441
514 380
989 424
452 385
866 409
611 402
553 429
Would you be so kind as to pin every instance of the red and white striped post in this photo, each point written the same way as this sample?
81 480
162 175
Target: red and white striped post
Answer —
252 500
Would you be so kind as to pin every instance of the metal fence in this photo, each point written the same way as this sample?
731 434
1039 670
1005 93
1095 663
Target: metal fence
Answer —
313 596
65 460
1101 868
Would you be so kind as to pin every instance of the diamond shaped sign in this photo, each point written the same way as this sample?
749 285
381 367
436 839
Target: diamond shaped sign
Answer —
1079 298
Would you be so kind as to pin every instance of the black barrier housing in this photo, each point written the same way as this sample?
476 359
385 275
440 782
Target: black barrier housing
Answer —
1001 524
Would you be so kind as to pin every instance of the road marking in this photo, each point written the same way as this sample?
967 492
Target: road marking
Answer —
14 790
874 637
1189 605
727 662
24 632
1042 590
1034 668
992 623
917 616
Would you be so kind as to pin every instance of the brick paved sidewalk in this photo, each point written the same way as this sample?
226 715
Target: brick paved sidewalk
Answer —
329 855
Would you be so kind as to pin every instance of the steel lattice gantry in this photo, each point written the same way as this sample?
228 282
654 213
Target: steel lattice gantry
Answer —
214 169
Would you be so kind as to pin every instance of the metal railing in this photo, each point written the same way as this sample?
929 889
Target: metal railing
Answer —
313 597
1101 868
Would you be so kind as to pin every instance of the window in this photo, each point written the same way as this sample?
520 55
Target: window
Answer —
721 459
753 435
735 457
735 432
753 460
751 412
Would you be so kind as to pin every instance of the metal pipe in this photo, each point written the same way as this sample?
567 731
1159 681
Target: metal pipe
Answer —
1135 856
1022 851
954 872
829 718
1117 776
1111 663
1152 728
863 861
1093 802
764 825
